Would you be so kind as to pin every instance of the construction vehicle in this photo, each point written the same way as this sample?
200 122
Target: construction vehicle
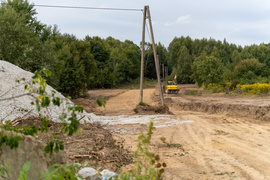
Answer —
172 86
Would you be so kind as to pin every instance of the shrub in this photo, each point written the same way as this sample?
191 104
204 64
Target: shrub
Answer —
262 88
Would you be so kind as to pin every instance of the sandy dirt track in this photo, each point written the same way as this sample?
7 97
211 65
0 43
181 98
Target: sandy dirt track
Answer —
200 145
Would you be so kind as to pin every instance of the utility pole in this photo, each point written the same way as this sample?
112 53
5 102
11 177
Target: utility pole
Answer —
166 75
147 11
142 56
163 73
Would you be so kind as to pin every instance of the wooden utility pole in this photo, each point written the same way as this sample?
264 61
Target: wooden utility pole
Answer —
163 73
142 56
147 11
166 75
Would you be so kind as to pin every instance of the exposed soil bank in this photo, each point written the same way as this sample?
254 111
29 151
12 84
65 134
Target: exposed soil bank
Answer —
239 110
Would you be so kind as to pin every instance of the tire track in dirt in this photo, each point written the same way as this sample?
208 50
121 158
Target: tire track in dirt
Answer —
221 156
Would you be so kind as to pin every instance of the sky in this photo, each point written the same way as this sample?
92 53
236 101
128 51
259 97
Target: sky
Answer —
241 22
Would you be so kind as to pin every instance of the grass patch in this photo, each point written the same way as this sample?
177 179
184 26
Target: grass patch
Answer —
143 104
192 92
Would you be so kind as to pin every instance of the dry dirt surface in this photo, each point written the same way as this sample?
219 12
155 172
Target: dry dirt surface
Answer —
91 143
207 137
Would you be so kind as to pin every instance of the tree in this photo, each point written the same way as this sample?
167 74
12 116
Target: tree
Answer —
99 50
27 10
183 66
236 58
19 44
207 71
248 65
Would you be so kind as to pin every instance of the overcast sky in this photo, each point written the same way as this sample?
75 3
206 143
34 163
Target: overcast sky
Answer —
242 22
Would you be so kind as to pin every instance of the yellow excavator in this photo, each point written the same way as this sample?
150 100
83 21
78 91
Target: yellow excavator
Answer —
172 86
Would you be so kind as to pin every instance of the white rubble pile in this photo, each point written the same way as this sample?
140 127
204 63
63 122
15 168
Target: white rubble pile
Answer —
12 106
89 173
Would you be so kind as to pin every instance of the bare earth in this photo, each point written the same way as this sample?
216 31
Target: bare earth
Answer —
208 137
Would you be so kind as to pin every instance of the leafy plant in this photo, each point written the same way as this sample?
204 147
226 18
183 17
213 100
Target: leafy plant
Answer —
147 165
62 171
4 172
192 92
262 88
26 167
101 101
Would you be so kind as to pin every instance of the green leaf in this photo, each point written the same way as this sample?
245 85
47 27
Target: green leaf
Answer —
26 166
56 101
79 109
37 105
158 165
85 163
47 72
18 138
164 164
161 171
157 158
153 162
45 101
61 146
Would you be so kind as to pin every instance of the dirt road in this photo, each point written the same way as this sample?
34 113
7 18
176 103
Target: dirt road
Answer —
200 145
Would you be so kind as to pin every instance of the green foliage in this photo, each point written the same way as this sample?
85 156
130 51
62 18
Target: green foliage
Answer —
147 165
26 167
62 172
101 101
207 71
183 66
9 140
4 172
54 146
258 88
149 66
143 104
20 43
248 70
78 65
192 92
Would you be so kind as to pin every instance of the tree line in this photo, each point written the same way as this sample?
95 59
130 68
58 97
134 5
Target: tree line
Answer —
93 62
210 61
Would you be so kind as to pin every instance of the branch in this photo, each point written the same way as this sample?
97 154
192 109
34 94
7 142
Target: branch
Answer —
13 97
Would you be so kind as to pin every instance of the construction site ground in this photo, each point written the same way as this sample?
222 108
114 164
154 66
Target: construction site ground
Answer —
208 136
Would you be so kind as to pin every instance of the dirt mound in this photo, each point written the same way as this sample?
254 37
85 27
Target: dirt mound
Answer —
149 110
92 143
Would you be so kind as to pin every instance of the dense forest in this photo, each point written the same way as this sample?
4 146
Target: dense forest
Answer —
93 62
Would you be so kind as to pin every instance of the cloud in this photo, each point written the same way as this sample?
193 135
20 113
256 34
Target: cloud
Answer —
181 19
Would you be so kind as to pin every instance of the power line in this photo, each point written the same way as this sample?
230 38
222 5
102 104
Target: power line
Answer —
81 7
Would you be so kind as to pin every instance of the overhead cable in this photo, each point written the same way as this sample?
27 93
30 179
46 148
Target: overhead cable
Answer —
83 7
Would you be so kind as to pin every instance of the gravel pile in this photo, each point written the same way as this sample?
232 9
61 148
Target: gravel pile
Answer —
14 103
